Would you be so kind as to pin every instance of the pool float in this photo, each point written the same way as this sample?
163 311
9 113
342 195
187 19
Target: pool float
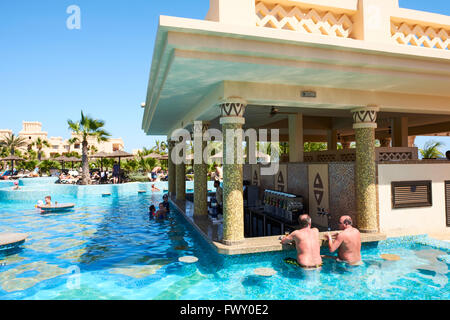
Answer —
390 257
294 262
106 194
141 191
11 240
57 207
188 259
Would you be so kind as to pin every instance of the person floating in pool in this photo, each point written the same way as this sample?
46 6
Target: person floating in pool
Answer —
155 189
16 185
166 202
348 242
307 244
152 211
47 202
162 212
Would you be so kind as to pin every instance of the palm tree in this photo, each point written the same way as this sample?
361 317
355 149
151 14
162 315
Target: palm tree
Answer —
40 144
431 150
87 127
12 142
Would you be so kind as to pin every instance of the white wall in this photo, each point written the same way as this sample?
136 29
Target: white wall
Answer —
414 220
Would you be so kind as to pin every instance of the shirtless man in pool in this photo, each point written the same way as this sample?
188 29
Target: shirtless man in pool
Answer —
348 242
307 243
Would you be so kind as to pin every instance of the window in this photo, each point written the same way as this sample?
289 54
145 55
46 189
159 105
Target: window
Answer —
411 194
77 146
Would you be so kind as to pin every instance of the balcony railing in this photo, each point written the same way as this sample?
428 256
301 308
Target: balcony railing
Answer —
349 155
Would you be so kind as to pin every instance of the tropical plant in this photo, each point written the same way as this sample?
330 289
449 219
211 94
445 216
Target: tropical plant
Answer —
147 165
12 142
431 150
46 165
84 128
159 147
40 144
315 146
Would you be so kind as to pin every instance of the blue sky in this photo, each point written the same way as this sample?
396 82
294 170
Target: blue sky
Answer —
48 73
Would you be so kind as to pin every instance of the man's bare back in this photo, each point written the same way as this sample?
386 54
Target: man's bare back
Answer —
349 244
307 245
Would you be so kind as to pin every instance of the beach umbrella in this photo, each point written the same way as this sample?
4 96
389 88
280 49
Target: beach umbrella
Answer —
63 160
120 154
12 158
152 155
100 155
73 159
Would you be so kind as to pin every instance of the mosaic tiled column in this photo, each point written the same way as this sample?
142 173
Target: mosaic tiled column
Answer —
364 124
171 167
180 188
233 203
200 171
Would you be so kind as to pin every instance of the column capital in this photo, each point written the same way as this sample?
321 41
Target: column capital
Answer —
232 107
365 117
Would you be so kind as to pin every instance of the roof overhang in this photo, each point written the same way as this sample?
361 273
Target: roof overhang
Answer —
197 63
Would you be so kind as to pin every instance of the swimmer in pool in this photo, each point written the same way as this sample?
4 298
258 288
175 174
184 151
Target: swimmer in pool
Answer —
155 189
161 213
348 242
152 211
16 185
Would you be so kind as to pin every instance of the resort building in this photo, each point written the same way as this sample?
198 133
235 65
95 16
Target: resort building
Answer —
31 131
318 70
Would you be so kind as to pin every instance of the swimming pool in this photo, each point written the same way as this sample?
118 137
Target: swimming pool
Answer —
108 248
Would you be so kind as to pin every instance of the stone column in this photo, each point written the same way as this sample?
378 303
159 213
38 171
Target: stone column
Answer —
200 171
332 140
364 124
171 167
232 118
411 141
400 132
296 141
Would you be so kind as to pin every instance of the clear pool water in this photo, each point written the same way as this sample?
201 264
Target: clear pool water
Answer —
108 248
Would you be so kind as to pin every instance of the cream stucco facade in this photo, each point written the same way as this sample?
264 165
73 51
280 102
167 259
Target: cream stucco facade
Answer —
31 131
429 219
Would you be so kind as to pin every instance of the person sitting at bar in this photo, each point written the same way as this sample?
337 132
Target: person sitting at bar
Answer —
348 242
307 244
219 195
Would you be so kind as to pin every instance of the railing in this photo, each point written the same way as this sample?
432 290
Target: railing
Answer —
304 20
420 35
349 155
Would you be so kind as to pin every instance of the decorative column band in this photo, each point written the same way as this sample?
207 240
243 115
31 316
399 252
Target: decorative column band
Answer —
365 117
233 107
